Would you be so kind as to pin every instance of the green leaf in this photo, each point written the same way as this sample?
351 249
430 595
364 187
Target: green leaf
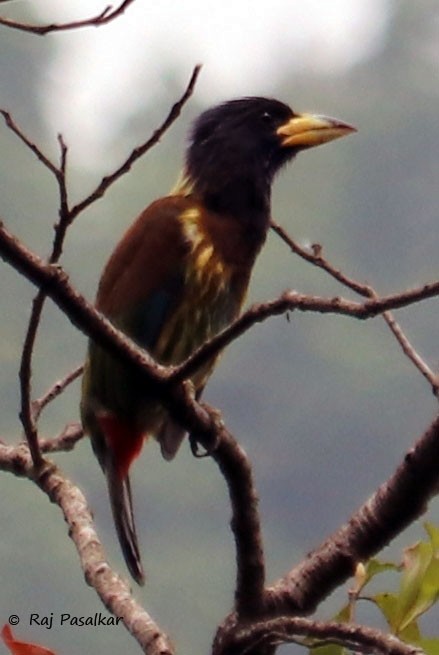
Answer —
374 567
410 633
430 646
388 604
344 615
418 590
416 561
420 581
428 593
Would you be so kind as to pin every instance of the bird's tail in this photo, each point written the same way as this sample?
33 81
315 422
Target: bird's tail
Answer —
119 490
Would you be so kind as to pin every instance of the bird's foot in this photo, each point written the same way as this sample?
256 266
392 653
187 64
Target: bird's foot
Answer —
217 424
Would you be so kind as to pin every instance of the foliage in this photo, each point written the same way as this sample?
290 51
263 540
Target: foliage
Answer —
417 593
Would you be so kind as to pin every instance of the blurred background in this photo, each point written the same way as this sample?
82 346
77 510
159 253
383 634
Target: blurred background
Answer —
324 406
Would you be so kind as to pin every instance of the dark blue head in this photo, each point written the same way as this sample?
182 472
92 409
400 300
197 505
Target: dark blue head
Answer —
237 147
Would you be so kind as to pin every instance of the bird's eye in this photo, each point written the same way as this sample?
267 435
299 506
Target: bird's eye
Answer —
267 117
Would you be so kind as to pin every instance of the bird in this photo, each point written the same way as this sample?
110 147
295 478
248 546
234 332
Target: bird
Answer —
179 276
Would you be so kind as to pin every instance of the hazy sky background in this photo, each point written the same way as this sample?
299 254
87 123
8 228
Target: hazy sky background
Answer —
104 74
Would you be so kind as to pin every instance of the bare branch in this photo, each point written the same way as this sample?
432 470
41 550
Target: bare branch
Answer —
293 300
65 442
32 146
237 471
309 633
112 590
139 151
28 418
409 350
60 174
54 391
25 376
66 217
26 415
316 258
108 14
395 504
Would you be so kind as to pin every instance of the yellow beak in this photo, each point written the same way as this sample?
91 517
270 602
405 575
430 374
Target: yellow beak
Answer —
309 130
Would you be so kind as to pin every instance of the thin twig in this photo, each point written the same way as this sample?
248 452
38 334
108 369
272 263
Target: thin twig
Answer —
54 391
60 171
66 217
139 151
25 377
411 353
108 14
316 258
32 146
28 418
65 441
25 373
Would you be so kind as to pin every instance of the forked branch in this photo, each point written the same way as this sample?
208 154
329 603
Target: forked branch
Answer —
316 258
66 218
113 591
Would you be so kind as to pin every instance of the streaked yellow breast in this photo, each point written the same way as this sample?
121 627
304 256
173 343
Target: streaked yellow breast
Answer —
208 304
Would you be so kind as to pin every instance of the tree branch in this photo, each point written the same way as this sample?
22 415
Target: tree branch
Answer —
410 352
112 590
316 259
308 633
12 125
66 441
66 217
60 171
139 151
54 391
395 504
28 418
293 300
237 471
108 14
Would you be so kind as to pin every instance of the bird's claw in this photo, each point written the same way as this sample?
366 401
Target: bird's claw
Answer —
218 424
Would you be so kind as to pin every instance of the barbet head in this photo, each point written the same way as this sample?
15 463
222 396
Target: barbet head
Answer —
236 149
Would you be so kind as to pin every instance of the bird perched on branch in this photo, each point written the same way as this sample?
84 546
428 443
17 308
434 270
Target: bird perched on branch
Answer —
180 275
